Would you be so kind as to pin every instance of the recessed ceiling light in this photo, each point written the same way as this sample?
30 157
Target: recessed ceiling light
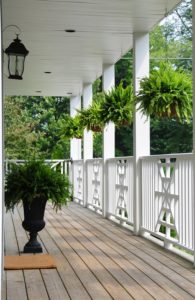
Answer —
38 91
47 72
70 30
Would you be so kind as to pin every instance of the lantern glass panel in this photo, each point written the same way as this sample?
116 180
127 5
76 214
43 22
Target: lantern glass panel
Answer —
16 66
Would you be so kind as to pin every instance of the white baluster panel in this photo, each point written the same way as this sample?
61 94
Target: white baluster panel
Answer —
120 189
94 183
168 199
77 169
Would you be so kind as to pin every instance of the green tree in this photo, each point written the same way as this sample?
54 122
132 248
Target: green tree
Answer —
33 124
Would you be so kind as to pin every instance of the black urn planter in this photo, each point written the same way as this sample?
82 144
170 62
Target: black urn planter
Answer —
33 223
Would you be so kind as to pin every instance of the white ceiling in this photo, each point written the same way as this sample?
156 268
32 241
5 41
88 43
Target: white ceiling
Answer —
104 30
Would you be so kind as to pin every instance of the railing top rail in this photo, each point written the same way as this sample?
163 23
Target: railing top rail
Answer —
94 159
46 160
174 155
120 158
77 160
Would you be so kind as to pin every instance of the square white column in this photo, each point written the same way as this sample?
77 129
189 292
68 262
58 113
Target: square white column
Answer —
75 144
88 135
109 130
193 80
141 131
193 69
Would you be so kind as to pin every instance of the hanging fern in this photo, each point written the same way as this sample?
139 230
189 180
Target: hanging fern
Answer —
118 106
166 93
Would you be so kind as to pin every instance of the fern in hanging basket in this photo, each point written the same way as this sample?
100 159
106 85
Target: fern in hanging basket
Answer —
90 118
118 106
72 127
166 93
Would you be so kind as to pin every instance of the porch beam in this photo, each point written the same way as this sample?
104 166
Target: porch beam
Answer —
75 144
141 130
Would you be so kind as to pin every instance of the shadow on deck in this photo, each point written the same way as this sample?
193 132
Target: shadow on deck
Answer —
96 259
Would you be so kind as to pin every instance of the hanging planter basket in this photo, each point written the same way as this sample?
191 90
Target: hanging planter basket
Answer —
118 106
96 128
166 93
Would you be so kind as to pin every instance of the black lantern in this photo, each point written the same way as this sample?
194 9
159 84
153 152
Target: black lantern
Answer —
16 53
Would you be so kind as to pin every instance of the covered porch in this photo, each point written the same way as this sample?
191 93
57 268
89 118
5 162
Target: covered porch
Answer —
96 259
72 44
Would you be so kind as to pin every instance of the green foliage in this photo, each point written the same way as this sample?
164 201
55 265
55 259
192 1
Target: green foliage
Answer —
98 145
32 126
35 180
124 69
170 136
91 118
118 105
71 128
166 92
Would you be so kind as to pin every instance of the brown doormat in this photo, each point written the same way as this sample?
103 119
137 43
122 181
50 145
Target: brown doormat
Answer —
37 261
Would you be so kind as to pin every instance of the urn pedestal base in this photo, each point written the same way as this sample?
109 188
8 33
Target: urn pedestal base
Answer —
33 246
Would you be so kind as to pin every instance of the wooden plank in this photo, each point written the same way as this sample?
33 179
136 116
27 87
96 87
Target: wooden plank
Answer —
11 246
186 264
4 287
157 277
35 285
116 288
143 280
72 283
119 238
21 234
112 265
91 283
15 285
54 285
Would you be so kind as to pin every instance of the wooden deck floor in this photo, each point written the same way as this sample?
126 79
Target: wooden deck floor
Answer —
95 260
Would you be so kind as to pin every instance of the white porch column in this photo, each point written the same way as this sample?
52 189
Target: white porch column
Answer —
87 139
1 163
88 135
141 124
109 131
193 69
193 80
75 144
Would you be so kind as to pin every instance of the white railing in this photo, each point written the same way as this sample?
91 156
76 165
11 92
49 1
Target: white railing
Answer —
119 191
77 181
94 184
167 202
168 199
63 165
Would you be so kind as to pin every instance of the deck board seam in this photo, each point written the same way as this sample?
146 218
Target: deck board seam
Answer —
87 265
73 211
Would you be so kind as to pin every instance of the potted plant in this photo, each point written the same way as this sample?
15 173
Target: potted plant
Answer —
90 118
34 183
118 106
166 93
